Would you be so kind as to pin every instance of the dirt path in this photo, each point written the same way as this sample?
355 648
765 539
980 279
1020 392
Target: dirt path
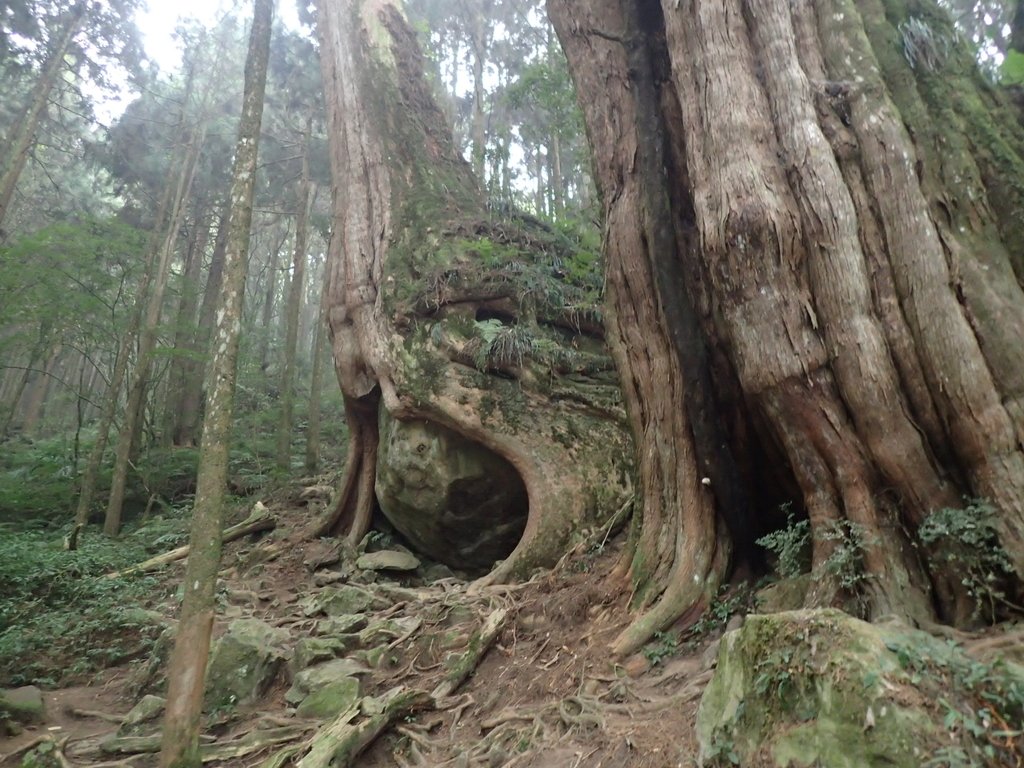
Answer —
545 695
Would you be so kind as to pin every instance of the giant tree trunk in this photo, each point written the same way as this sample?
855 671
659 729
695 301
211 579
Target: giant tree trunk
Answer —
440 315
812 213
180 746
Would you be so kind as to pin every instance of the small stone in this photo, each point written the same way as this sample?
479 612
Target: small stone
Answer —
312 679
148 709
333 699
388 560
313 650
342 624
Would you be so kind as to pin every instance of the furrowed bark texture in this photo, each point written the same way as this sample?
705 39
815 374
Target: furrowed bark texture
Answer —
841 190
409 287
186 673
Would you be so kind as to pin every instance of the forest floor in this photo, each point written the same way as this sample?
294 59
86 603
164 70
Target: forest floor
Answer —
541 691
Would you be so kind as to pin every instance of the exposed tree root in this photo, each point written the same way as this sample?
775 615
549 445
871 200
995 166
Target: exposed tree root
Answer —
258 521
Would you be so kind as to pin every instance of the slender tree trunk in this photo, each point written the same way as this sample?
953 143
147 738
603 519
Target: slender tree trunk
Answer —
825 241
39 393
187 670
316 381
269 300
187 430
134 409
295 293
184 327
25 135
557 180
479 125
34 357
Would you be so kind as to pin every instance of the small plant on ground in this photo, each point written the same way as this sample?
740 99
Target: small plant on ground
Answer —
60 618
790 545
966 541
665 644
981 704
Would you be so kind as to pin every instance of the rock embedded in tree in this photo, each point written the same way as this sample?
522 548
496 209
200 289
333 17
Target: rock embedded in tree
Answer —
452 499
444 313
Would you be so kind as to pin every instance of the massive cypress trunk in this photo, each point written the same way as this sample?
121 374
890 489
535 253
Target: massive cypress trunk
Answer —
445 322
813 231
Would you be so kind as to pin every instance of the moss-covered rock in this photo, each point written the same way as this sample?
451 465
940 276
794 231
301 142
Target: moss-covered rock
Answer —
331 700
313 679
144 714
20 706
451 498
809 688
244 662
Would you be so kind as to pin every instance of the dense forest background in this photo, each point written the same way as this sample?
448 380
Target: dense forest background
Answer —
143 245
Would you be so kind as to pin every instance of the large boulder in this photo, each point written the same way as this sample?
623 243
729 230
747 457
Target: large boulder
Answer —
454 500
820 688
244 662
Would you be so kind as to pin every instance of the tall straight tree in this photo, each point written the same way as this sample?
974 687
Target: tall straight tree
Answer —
69 24
814 256
296 291
191 647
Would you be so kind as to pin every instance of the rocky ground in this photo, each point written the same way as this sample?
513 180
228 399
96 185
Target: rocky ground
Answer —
502 676
328 656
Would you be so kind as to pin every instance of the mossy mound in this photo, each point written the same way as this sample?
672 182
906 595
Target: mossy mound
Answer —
808 688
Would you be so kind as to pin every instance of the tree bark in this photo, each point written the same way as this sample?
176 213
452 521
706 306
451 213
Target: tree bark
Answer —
823 230
408 295
295 293
184 327
187 669
316 382
187 430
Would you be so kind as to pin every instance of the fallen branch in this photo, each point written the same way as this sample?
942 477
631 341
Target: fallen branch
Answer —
339 743
260 520
479 644
93 714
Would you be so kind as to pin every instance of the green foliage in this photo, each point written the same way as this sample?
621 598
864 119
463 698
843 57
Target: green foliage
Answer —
966 541
847 542
982 704
664 645
60 618
37 479
846 561
791 546
1012 70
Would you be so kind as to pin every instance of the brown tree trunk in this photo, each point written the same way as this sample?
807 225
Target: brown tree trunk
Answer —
186 431
295 293
131 425
184 327
24 138
180 747
316 381
408 296
837 221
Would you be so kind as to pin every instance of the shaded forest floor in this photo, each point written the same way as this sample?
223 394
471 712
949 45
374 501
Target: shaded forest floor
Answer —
545 692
